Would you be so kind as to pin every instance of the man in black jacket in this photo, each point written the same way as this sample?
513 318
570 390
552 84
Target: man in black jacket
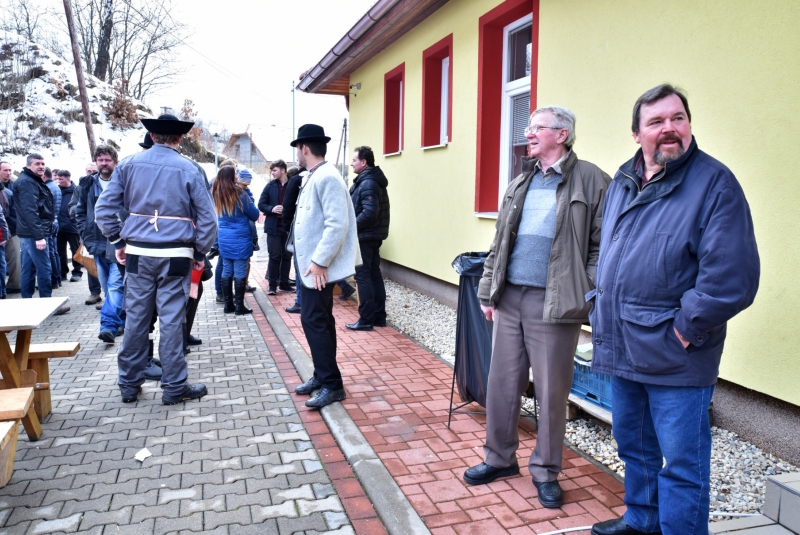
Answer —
289 208
67 230
271 205
35 218
371 203
12 246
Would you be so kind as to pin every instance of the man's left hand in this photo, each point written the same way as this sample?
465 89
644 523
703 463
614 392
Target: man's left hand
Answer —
684 341
199 265
120 253
319 274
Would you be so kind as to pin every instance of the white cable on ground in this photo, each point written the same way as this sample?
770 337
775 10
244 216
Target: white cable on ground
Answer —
567 530
731 514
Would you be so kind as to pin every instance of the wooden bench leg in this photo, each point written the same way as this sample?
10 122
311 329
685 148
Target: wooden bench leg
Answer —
8 450
41 398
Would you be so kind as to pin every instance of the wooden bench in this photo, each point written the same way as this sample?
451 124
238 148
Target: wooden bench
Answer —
38 361
14 404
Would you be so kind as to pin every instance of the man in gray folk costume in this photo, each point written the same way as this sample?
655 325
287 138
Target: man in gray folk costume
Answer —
171 227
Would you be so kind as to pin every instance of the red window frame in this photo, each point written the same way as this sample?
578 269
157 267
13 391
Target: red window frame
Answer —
490 87
432 92
393 103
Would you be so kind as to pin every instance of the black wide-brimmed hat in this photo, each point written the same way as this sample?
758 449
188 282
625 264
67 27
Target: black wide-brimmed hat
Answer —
310 133
148 141
168 125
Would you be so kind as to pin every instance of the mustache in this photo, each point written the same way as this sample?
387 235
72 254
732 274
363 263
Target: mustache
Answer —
670 137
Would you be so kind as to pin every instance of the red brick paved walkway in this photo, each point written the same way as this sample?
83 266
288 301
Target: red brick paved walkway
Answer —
398 395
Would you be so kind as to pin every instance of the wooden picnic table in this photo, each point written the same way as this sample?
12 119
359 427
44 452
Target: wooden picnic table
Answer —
23 316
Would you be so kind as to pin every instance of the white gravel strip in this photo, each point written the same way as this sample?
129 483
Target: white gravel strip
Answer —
738 468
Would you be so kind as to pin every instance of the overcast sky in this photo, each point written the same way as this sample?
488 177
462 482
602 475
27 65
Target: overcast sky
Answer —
242 57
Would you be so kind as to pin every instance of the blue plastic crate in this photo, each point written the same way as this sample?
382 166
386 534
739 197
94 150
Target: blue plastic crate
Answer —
593 387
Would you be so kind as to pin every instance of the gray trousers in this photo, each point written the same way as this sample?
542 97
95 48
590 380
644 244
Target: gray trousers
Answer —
522 340
160 284
13 262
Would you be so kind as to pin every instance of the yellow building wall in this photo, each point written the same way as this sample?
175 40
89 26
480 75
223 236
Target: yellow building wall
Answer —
739 62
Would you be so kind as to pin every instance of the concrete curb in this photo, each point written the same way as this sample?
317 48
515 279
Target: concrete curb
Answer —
392 506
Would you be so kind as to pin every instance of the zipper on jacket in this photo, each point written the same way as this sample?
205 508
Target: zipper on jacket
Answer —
639 188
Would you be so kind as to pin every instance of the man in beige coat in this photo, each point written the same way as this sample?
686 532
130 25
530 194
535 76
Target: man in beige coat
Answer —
540 266
324 241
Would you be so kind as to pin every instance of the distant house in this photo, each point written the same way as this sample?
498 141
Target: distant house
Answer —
241 148
441 90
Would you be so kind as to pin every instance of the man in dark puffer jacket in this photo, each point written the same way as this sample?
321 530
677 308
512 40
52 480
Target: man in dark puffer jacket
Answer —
371 203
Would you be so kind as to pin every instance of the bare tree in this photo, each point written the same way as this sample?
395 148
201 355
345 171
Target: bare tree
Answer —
104 45
34 22
142 42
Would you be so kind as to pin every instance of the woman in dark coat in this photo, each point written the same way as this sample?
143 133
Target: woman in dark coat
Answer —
235 209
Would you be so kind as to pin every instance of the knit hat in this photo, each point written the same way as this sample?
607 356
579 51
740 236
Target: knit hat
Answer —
245 176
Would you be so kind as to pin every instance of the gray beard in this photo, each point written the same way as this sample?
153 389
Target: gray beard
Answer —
662 159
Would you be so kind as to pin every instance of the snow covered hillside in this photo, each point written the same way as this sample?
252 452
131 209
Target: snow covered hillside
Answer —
40 110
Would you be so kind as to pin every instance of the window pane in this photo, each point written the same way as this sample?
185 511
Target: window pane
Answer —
520 114
443 116
519 53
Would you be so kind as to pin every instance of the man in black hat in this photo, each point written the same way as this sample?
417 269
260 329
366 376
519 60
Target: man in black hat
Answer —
325 244
147 142
171 227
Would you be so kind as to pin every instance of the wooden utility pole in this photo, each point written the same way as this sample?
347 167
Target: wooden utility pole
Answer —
76 55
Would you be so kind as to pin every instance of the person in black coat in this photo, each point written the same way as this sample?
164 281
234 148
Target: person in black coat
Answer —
371 204
67 230
295 175
271 205
35 219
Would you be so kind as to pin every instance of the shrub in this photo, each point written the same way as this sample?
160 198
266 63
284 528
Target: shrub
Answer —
121 110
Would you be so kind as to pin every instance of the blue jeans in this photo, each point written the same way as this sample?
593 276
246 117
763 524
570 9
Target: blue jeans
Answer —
3 270
235 268
653 423
111 281
35 268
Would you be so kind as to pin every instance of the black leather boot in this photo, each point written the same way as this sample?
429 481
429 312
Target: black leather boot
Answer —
239 288
227 294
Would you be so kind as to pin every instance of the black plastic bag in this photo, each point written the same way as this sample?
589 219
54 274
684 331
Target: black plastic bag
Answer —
473 332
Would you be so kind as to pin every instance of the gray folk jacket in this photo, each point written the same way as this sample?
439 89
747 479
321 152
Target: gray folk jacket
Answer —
576 245
324 228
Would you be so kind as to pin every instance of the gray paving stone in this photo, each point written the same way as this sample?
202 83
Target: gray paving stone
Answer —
213 519
239 461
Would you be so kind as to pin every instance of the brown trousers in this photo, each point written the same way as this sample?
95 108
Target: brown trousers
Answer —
522 340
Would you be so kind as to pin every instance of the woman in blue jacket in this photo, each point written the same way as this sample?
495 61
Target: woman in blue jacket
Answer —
235 209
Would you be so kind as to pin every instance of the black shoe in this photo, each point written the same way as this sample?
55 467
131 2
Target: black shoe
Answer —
239 287
294 309
99 306
550 494
121 330
618 526
227 294
379 323
220 299
250 289
325 396
347 292
285 288
195 391
61 311
193 341
64 277
483 473
107 336
93 299
272 291
131 398
308 387
360 325
74 278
